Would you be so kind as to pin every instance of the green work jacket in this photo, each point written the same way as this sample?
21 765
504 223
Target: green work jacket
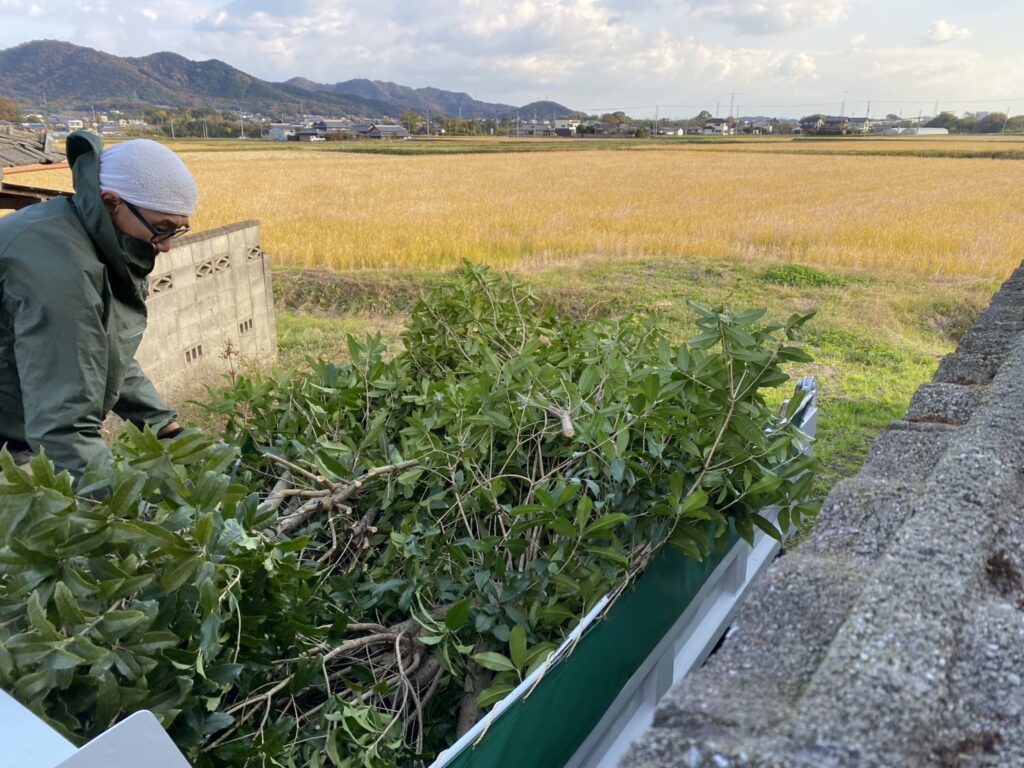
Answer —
72 313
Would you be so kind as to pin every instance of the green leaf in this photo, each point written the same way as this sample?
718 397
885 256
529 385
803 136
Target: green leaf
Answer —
494 694
611 554
517 646
652 387
794 403
119 623
204 529
605 523
765 484
583 509
37 617
495 662
695 501
15 475
458 615
175 577
67 605
766 526
125 500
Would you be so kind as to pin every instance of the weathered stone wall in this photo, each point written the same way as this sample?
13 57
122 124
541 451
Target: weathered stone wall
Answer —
894 636
211 290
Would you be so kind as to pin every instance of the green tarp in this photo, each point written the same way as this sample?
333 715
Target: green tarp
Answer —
545 729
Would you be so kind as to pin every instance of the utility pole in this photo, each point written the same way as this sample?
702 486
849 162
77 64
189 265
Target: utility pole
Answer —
656 107
867 114
241 127
731 97
206 134
842 109
172 126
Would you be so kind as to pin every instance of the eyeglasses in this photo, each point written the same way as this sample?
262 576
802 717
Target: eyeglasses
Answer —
158 236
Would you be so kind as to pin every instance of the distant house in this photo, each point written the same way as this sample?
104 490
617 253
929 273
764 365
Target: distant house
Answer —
835 126
536 129
309 134
387 132
280 131
860 125
811 124
566 126
762 127
333 125
717 126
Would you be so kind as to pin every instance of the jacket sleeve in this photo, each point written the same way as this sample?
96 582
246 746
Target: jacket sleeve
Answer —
139 402
60 352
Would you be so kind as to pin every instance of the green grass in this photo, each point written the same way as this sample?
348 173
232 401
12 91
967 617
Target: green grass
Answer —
802 275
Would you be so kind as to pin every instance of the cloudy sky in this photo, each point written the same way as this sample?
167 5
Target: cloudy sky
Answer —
783 57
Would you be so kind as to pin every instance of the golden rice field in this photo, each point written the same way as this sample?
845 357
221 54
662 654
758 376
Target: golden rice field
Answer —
904 214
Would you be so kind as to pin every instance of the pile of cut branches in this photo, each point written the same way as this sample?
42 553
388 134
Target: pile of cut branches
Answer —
381 544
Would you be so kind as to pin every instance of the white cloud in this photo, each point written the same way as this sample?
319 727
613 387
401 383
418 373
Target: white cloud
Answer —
763 17
582 53
798 66
943 32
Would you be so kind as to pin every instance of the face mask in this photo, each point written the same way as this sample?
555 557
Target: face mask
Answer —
140 254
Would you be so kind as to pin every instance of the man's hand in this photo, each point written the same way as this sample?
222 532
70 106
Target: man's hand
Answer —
171 430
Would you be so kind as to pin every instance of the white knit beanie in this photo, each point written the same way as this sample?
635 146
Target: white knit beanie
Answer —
149 175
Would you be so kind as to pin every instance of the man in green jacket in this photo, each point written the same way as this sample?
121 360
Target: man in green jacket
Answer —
73 300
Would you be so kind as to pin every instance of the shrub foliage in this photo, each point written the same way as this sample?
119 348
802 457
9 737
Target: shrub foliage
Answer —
382 549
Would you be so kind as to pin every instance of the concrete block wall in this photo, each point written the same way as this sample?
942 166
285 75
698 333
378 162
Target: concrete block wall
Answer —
894 636
211 290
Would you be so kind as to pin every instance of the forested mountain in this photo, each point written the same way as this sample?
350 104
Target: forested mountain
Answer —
57 75
437 101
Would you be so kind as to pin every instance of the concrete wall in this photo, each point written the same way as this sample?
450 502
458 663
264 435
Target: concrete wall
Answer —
894 636
211 290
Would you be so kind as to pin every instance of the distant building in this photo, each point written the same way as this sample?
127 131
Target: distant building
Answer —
860 125
280 131
717 126
811 124
333 125
835 126
534 128
387 132
601 128
566 126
